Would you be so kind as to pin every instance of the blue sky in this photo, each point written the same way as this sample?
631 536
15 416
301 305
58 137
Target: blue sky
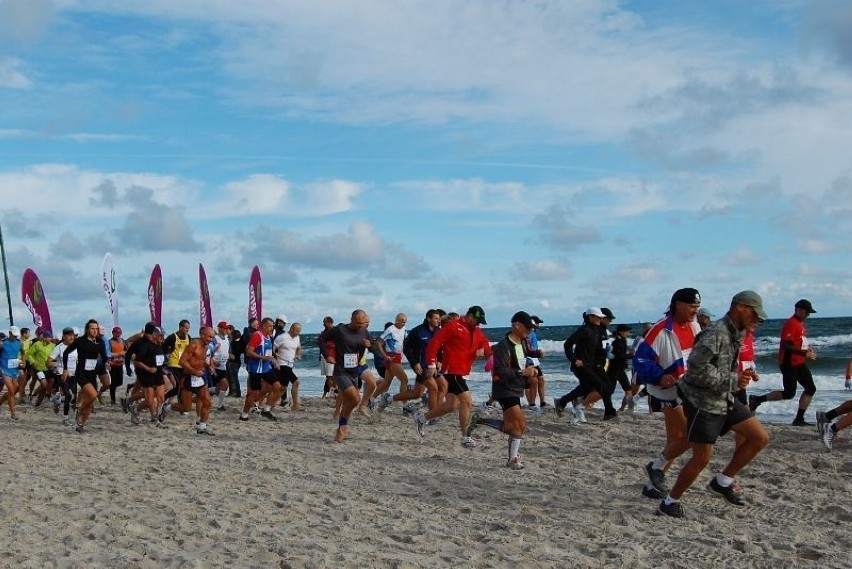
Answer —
548 156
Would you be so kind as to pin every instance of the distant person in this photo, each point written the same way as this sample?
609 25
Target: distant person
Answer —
711 409
704 318
536 391
793 355
116 349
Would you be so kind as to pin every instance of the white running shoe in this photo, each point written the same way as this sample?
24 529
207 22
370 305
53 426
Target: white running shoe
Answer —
470 442
828 437
579 413
385 400
515 463
419 424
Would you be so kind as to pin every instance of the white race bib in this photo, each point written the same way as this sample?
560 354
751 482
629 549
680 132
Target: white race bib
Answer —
196 381
14 364
350 361
159 360
90 365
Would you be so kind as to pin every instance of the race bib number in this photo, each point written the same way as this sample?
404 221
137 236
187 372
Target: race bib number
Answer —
14 363
533 362
159 360
90 365
288 363
686 357
350 361
40 375
196 381
748 365
805 344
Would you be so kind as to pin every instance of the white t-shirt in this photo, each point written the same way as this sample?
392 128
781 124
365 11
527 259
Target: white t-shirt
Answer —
56 355
220 348
284 347
393 338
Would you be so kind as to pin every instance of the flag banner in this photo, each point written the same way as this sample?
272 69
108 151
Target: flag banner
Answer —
206 315
32 295
110 287
155 296
255 305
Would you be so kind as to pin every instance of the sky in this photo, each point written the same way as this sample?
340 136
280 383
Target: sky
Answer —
398 156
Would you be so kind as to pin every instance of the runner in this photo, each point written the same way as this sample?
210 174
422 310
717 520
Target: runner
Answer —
116 349
91 353
287 348
220 355
260 363
10 367
194 362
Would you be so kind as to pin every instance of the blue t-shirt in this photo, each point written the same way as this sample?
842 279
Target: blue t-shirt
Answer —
11 350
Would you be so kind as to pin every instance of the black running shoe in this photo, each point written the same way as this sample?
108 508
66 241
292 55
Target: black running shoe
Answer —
268 415
657 478
674 509
652 493
727 491
558 407
801 423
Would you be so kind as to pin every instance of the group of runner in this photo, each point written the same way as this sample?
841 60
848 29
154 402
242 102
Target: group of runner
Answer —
693 370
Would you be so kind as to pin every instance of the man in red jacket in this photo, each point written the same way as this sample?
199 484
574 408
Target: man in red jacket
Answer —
459 342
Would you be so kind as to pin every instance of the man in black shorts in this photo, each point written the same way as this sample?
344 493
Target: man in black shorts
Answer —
709 404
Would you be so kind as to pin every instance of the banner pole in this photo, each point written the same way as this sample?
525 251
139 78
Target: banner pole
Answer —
6 277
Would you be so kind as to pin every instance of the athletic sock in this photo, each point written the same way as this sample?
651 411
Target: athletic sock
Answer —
724 481
669 500
800 415
514 446
831 415
660 462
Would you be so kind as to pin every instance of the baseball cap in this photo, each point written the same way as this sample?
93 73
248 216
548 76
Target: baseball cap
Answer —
538 321
282 318
46 334
751 298
608 313
222 324
116 330
687 295
158 330
524 319
478 313
595 311
706 312
806 305
14 331
150 327
67 330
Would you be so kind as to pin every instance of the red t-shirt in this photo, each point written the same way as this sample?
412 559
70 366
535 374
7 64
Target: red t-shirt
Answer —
793 332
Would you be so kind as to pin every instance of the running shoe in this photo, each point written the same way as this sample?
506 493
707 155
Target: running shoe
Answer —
828 436
801 423
204 431
470 442
728 492
579 412
419 424
79 428
255 408
631 404
161 425
384 400
244 417
67 422
410 408
652 493
134 415
515 463
268 415
221 408
164 412
14 416
821 422
558 407
675 509
656 477
471 423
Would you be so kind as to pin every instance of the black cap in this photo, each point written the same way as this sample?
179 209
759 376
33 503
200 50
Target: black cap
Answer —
524 318
608 313
623 328
687 295
478 313
537 320
806 305
150 327
68 330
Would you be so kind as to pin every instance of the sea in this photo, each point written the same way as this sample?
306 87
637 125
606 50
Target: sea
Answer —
831 338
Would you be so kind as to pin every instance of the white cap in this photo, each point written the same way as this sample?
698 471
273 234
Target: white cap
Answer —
14 331
283 318
595 311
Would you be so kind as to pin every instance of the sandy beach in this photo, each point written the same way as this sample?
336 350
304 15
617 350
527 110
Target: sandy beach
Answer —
284 494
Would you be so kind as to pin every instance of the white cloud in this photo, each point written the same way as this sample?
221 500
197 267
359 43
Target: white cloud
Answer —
12 77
